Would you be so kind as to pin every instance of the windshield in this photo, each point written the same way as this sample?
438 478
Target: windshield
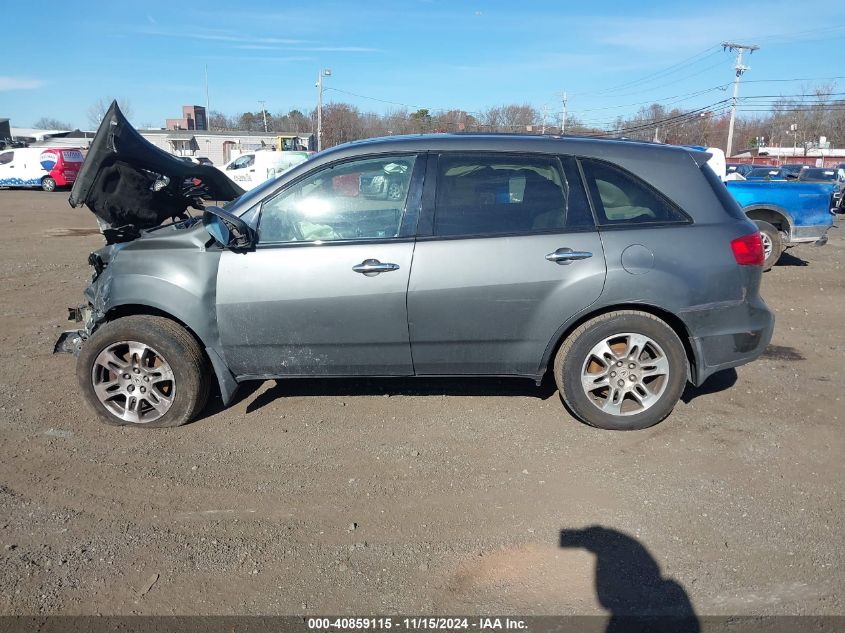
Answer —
818 174
764 172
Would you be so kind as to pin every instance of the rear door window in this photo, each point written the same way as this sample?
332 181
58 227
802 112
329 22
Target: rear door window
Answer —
621 199
482 194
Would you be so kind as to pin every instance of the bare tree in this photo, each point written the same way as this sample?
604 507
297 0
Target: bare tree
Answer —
219 122
49 123
814 114
99 108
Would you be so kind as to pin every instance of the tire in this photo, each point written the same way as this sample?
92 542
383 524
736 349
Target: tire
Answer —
659 348
175 391
772 241
48 184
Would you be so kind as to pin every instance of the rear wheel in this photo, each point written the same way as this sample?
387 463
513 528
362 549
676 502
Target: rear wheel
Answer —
48 183
622 370
143 371
772 243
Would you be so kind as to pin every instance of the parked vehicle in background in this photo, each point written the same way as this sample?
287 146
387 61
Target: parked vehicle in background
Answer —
787 213
766 173
738 168
291 143
817 174
253 168
623 268
792 170
832 176
7 143
43 167
198 160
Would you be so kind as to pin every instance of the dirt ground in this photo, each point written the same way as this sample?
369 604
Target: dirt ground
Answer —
402 496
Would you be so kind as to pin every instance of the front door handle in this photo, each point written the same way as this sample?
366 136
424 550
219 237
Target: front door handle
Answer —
565 256
373 267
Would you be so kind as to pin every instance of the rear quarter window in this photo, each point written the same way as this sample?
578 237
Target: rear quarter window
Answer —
621 199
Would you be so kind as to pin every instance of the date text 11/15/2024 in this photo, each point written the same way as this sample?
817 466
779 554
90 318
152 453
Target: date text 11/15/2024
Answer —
416 623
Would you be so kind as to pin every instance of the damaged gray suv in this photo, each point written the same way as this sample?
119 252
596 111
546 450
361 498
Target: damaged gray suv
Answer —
625 269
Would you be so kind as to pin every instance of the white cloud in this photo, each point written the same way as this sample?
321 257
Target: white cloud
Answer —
308 49
217 35
19 83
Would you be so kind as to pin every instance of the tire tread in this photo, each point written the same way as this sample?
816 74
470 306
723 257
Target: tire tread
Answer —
137 326
566 347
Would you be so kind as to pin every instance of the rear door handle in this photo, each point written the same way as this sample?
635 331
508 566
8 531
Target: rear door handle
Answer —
373 267
565 256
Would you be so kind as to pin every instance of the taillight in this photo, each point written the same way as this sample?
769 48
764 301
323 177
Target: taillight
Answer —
748 250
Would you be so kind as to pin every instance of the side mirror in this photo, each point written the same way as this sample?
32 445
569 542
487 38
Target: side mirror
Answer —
227 230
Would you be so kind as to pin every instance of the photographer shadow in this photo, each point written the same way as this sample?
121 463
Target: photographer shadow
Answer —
630 586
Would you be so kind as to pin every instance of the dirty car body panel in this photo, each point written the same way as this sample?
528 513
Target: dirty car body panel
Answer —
391 296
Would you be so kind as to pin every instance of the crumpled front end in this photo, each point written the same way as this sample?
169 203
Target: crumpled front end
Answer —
131 185
89 314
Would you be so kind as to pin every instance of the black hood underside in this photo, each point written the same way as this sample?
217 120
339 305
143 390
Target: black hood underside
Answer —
130 184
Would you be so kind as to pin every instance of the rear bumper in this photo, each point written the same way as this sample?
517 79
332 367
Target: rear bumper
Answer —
63 179
728 336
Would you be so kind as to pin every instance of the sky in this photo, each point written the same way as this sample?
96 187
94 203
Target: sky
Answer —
609 57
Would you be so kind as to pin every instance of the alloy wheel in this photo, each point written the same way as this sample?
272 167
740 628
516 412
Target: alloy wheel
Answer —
625 374
133 382
767 244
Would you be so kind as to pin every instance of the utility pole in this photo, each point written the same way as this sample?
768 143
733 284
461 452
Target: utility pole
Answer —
207 111
545 111
563 115
264 114
740 69
323 72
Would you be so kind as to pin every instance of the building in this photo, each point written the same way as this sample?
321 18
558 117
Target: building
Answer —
5 129
193 118
219 147
773 155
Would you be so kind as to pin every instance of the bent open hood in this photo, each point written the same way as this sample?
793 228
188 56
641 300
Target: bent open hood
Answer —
130 183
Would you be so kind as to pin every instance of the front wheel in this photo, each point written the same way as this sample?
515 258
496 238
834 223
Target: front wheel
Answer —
48 183
143 371
623 370
772 243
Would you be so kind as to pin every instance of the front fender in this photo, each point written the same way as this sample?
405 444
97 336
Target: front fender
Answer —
197 312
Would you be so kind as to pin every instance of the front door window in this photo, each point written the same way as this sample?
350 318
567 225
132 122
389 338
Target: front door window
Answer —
361 199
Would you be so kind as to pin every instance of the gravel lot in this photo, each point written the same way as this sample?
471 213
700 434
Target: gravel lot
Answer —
435 496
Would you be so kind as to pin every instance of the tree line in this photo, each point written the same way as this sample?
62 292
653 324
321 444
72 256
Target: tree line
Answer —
797 121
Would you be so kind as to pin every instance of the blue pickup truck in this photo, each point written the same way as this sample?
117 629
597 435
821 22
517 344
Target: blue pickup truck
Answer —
788 213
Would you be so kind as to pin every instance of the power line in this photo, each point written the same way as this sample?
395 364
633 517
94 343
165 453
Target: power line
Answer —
799 35
708 52
360 96
685 116
663 100
758 81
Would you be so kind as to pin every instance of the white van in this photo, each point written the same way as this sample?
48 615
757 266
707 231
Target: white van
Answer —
44 167
252 168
